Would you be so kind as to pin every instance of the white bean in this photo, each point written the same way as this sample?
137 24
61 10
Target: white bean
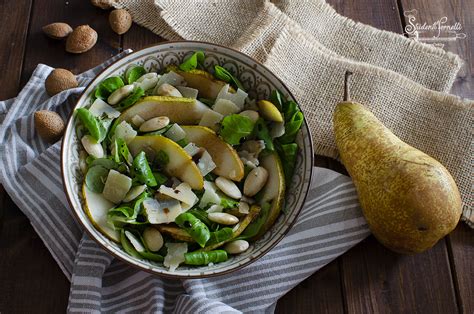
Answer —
255 181
236 247
120 94
92 147
251 114
223 218
153 239
228 187
154 124
168 90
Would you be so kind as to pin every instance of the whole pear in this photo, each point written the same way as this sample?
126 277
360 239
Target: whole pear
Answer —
409 199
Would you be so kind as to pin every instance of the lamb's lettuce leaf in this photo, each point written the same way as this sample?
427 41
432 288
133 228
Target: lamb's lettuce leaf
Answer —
94 125
222 74
234 127
192 62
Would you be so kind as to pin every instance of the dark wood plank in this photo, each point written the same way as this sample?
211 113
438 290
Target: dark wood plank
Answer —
31 280
139 37
460 241
15 16
377 280
461 245
382 14
320 293
41 49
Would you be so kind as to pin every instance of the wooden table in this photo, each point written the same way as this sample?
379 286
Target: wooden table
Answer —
367 279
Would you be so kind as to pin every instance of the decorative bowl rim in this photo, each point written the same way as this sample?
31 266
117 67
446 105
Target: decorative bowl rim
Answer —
263 252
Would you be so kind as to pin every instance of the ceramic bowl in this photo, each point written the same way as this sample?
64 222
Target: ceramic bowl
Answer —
258 82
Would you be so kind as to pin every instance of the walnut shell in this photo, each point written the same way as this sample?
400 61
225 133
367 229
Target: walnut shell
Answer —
120 21
49 125
82 39
59 80
57 30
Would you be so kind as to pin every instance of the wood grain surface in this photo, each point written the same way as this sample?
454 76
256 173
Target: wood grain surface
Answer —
367 279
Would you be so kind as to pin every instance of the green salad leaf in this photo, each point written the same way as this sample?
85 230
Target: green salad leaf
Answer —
121 152
127 213
93 125
161 158
108 86
160 178
287 153
221 235
96 177
204 258
292 127
151 256
234 127
277 98
104 162
201 215
131 99
228 202
263 133
143 171
256 225
195 227
134 73
221 73
127 246
192 62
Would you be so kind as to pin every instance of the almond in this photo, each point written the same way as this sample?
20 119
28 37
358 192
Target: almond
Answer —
49 125
103 4
59 80
120 21
81 39
57 30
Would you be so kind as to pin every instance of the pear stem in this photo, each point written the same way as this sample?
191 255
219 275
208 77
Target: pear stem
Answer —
346 86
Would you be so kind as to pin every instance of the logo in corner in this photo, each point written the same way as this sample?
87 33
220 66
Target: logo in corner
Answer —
437 33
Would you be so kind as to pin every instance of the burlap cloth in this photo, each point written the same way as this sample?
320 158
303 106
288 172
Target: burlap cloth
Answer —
310 46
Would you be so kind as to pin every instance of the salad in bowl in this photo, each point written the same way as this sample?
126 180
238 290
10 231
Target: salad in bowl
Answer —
181 167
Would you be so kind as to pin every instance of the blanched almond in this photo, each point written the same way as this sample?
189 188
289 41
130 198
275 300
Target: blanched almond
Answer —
255 181
223 218
236 247
154 124
228 187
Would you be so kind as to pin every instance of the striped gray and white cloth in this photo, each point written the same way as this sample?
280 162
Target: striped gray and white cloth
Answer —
330 224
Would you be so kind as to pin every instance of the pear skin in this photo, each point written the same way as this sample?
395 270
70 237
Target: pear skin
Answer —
409 199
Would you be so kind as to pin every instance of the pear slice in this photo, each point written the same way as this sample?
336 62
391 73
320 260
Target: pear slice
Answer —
180 164
269 111
228 163
96 207
274 190
177 109
203 81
